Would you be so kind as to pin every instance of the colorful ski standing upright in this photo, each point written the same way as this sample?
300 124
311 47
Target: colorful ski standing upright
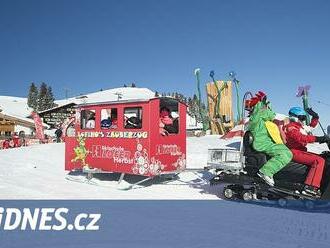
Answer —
236 82
197 74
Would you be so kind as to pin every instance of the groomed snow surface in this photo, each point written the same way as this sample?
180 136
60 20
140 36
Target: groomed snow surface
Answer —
37 172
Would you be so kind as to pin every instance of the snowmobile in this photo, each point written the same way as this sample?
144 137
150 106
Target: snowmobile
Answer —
238 170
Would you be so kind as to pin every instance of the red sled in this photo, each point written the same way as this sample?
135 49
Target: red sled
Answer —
139 137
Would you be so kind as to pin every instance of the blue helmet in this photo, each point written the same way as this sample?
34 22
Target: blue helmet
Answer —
298 112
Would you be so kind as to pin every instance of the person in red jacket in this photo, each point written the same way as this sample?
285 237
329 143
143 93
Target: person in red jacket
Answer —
297 138
6 144
165 118
16 139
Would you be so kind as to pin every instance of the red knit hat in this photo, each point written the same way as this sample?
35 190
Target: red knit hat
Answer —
261 96
250 103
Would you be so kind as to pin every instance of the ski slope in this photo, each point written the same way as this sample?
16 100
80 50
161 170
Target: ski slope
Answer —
37 172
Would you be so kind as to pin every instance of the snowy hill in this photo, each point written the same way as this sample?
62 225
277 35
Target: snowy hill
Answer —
37 172
15 106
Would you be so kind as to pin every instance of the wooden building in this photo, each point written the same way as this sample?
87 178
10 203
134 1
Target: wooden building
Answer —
10 124
57 115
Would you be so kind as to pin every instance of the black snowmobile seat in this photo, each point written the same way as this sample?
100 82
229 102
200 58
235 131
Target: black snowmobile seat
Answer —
254 160
252 157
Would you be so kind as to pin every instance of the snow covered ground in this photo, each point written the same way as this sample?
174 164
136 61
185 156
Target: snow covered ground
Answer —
37 172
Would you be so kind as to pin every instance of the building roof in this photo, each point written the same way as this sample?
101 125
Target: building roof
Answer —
123 94
18 120
57 107
17 106
170 101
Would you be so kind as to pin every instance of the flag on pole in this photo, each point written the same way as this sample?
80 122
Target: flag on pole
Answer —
39 127
303 93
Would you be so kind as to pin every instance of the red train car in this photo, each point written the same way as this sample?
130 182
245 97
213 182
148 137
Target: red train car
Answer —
129 137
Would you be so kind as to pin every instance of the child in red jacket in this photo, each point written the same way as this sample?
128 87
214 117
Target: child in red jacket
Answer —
16 139
297 138
165 118
6 144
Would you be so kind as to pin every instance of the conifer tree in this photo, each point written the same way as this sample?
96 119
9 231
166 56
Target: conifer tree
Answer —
49 98
32 100
42 105
193 109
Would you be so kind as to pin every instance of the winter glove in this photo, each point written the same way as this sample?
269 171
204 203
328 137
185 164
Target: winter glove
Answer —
322 139
312 113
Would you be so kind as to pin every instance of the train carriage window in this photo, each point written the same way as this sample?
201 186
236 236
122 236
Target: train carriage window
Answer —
87 119
109 118
168 117
133 118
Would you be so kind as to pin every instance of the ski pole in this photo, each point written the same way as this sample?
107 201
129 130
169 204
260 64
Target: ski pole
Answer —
243 124
322 129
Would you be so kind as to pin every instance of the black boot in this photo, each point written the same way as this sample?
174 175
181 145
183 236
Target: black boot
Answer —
311 190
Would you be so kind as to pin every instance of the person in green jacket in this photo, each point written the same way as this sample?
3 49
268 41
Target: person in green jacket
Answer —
280 155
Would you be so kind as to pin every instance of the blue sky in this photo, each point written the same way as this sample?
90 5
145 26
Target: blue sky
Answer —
88 45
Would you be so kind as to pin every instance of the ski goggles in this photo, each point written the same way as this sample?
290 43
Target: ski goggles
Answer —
298 117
